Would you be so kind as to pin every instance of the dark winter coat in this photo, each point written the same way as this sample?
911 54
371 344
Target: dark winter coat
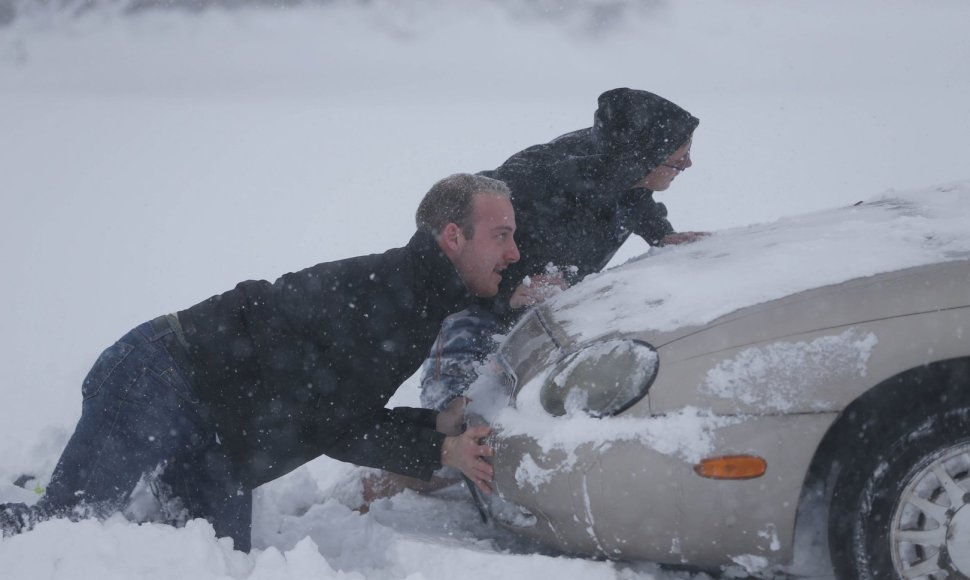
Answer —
573 201
304 366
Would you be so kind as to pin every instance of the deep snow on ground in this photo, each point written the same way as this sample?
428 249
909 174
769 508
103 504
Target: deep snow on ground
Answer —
150 161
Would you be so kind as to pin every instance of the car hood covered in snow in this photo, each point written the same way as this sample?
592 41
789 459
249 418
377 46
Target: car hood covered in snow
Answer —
670 291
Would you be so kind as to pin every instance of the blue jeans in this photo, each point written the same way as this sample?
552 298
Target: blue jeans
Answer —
140 413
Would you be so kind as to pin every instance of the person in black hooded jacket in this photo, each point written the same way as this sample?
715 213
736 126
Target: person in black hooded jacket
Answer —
250 384
578 198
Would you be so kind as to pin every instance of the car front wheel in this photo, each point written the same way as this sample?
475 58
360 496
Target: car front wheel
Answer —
904 512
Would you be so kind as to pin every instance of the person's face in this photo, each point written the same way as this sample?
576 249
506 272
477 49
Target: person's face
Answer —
481 258
659 179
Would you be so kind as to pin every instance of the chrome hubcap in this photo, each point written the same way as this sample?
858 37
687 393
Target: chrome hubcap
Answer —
930 533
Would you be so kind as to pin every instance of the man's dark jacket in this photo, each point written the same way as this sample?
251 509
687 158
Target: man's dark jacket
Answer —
573 197
304 366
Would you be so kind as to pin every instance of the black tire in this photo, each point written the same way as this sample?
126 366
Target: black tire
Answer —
887 505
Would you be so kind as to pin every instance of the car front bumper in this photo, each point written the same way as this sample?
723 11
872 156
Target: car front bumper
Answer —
640 499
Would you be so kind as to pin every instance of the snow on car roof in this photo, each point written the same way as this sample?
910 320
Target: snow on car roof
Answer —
671 287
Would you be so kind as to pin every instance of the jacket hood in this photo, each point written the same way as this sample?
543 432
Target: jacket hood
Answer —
635 131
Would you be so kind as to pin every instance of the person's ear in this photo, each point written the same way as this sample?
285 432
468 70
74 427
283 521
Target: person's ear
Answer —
452 237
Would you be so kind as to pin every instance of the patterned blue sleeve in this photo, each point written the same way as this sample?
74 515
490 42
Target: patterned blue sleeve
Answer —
463 343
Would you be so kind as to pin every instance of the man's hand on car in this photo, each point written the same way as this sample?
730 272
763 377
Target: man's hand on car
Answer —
467 453
683 238
451 421
537 288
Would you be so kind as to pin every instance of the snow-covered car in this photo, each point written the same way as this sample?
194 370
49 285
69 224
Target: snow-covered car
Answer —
694 405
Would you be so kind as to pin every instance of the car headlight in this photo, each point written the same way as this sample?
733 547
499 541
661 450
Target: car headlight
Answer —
602 379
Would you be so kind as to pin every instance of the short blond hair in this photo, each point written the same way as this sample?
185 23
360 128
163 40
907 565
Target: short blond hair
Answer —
451 200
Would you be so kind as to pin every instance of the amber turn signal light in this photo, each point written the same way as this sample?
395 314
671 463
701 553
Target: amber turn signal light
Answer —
732 467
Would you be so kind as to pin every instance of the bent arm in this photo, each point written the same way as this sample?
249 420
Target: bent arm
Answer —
644 216
402 440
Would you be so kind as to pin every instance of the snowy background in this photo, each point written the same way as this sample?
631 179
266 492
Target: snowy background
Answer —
152 158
